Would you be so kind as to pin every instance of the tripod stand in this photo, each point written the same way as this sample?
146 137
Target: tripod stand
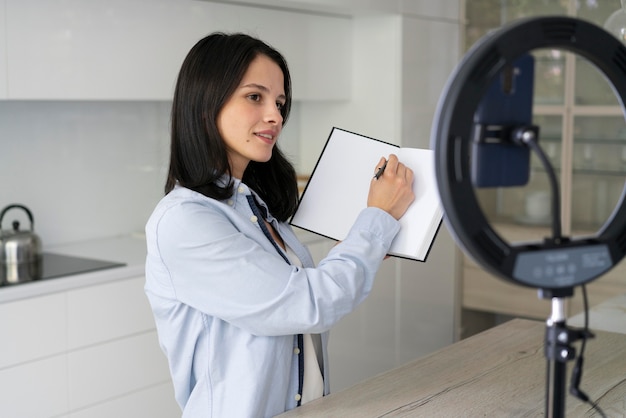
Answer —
558 351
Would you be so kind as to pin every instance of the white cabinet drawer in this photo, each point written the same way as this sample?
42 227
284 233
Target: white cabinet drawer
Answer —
154 402
32 329
35 389
107 311
114 369
90 350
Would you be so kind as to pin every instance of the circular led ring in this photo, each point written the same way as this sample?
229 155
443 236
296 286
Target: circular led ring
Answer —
452 136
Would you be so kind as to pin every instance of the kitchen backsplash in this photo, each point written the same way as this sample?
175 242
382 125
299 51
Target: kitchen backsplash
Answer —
87 170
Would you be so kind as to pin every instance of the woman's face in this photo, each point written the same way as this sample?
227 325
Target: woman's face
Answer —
250 121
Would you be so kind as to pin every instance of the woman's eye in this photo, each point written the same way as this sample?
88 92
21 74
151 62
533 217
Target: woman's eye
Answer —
280 105
254 97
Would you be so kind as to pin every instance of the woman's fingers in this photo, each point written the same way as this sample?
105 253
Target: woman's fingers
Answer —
392 191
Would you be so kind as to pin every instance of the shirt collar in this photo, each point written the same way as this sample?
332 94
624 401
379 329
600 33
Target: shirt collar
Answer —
240 188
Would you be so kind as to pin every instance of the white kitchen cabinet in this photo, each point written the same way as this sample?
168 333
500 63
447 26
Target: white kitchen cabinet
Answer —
98 314
34 389
424 8
73 49
88 352
116 368
143 403
33 363
120 50
32 329
113 349
446 9
316 47
3 51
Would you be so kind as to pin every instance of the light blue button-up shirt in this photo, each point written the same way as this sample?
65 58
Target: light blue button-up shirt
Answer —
228 307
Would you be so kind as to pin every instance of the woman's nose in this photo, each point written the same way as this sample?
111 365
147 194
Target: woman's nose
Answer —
273 115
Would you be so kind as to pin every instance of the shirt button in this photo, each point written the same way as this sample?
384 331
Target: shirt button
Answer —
230 202
253 218
296 351
298 397
241 189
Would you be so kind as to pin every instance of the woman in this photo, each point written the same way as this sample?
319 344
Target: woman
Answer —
238 304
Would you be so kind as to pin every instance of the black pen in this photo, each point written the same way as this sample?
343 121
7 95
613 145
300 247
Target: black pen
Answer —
380 171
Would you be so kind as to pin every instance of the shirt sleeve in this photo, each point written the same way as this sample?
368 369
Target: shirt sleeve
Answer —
223 270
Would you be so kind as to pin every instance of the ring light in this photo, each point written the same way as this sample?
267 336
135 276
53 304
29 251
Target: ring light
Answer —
570 262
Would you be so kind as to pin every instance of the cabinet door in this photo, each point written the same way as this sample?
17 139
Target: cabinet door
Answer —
35 389
32 329
33 364
73 49
99 314
113 345
154 402
121 50
317 48
103 372
3 51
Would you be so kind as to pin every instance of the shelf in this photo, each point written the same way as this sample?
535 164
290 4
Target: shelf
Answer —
601 141
545 108
585 171
593 172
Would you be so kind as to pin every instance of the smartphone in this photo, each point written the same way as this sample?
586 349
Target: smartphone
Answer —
495 160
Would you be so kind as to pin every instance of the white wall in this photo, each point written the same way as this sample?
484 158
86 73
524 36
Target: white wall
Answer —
89 169
85 169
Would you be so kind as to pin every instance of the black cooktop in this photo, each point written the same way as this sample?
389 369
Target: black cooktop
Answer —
51 266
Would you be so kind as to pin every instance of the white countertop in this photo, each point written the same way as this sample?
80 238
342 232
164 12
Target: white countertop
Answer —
129 249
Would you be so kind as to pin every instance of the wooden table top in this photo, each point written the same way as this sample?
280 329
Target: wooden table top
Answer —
498 373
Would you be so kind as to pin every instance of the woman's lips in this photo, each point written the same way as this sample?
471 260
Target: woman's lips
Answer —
266 137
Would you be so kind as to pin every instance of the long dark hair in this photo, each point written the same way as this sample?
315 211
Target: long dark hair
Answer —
209 75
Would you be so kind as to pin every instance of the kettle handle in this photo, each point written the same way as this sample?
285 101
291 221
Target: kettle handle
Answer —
16 206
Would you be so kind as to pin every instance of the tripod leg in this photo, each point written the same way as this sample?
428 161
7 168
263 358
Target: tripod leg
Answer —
555 386
557 352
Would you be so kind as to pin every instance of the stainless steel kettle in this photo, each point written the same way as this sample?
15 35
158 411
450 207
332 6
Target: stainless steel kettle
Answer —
20 250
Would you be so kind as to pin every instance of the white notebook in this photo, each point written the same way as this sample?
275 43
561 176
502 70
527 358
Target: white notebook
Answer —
337 192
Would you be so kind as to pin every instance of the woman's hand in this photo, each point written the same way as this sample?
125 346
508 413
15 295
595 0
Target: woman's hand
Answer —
393 190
